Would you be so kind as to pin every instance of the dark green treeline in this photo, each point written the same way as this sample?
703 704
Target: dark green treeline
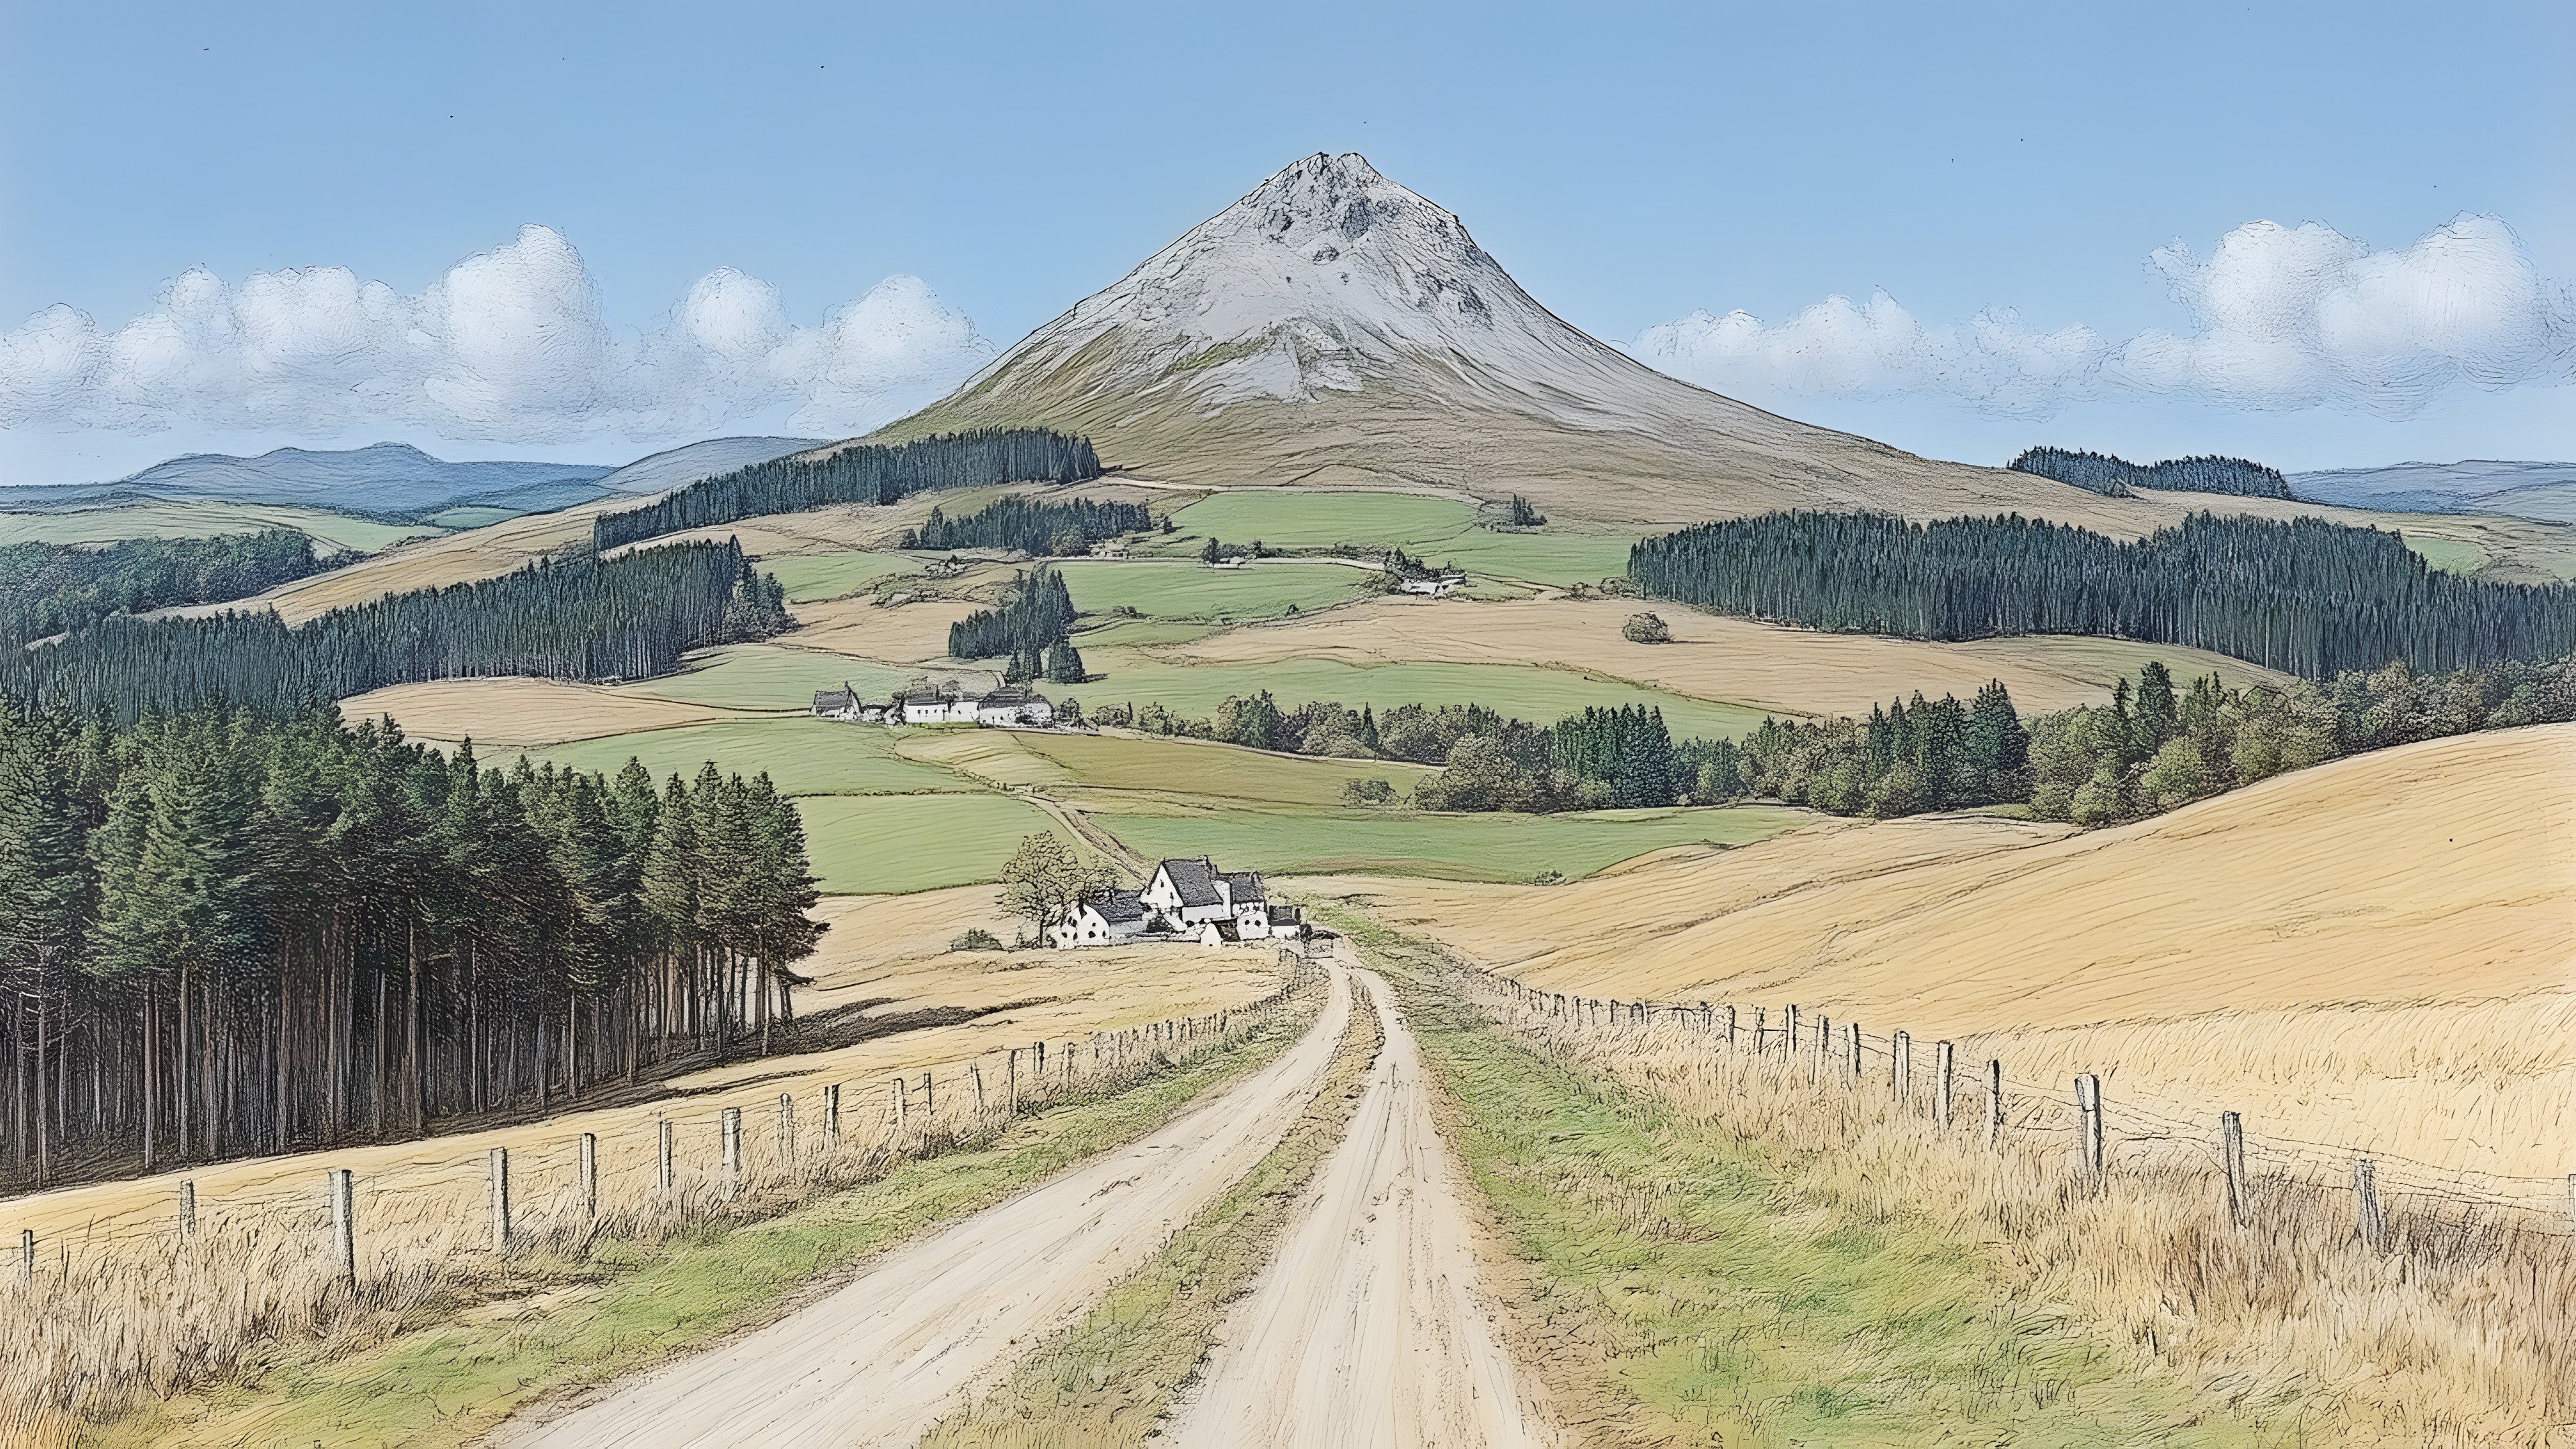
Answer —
53 588
579 618
222 935
2303 596
1032 630
861 474
1034 526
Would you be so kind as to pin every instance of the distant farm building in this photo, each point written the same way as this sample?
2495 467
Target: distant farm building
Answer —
1186 900
1435 585
946 703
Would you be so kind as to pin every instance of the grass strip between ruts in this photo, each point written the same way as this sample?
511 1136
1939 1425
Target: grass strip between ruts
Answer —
1110 1379
1676 1289
450 1380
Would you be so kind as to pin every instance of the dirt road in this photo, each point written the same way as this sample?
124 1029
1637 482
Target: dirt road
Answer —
879 1361
1369 1331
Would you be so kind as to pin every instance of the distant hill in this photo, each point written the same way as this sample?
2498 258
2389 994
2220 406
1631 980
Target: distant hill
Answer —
2529 490
386 480
679 467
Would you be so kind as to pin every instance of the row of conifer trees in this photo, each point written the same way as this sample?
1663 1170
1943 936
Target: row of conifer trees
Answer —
2304 596
579 618
54 588
866 473
1035 526
222 935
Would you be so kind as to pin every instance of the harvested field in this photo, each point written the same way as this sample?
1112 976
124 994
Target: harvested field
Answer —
1772 668
521 712
2323 952
910 633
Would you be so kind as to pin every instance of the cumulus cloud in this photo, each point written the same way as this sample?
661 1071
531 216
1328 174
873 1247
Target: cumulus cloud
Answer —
2278 319
509 345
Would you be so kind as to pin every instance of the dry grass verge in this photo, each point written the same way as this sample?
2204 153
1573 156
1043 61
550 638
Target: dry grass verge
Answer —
2287 1329
247 1326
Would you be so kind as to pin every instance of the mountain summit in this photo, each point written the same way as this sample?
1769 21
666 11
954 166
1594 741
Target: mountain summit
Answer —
1334 328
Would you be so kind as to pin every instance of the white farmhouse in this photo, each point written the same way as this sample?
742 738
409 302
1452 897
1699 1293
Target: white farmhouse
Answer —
1197 901
1435 585
1103 921
840 704
1012 705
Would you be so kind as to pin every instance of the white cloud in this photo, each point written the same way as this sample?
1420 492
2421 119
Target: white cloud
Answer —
509 345
2279 319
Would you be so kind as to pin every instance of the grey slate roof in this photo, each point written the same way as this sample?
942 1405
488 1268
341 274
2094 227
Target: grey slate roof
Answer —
1195 880
1244 885
1120 907
1286 915
833 699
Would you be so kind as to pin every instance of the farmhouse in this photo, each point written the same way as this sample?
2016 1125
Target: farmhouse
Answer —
1435 585
844 704
1187 899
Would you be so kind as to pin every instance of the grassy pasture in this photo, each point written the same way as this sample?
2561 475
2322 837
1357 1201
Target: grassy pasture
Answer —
1119 762
1170 589
202 519
2449 555
893 844
1531 692
1455 847
1296 518
811 578
802 756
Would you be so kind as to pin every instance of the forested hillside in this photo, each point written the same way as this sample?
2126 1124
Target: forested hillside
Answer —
2303 596
580 618
51 588
1033 526
2114 477
223 935
866 474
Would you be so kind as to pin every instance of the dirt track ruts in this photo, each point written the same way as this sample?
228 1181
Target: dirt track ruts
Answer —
878 1361
1369 1330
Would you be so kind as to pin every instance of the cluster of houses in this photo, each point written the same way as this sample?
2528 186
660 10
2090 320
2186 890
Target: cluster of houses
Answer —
945 703
1435 585
1186 900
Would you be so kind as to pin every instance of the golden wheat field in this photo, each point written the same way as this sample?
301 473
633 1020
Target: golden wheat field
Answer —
2376 953
883 956
527 712
1793 671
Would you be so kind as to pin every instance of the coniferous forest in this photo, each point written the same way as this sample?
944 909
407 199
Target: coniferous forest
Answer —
579 618
1032 630
53 588
2114 477
1033 526
860 474
2302 596
225 935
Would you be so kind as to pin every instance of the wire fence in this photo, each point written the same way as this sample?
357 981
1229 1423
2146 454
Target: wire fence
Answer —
171 1291
2131 1131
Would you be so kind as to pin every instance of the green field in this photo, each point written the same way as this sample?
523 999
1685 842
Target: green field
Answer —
773 676
893 844
1121 762
1526 691
194 519
802 756
1448 847
2449 555
811 578
1547 557
1165 589
1296 518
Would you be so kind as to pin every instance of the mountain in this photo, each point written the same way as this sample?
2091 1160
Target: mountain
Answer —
1334 328
678 467
2530 490
388 479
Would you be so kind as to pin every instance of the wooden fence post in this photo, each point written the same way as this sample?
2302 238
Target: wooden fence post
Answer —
1011 1082
188 1208
344 1224
2231 1152
902 1104
1818 1062
976 1070
499 1193
666 1175
27 1256
1854 1030
930 1104
1707 1017
1942 1061
2367 1219
1730 1028
590 1177
2088 1111
1900 1072
786 1127
729 1133
1788 1031
1994 1103
1761 1027
832 1113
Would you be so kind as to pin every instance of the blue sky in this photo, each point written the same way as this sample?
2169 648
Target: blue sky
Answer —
1630 165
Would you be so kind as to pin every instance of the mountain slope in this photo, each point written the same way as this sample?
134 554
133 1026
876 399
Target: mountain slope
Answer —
677 467
1334 328
2545 491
